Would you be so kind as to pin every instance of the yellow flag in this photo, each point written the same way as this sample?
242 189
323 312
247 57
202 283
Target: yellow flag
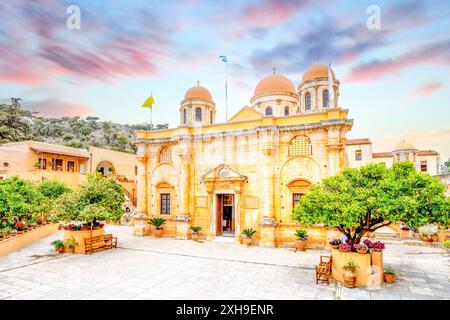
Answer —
149 102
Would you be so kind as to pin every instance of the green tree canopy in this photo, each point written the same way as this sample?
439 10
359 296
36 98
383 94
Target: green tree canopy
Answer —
98 198
15 123
19 199
362 200
53 189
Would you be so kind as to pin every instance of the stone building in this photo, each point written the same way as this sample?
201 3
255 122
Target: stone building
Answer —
359 152
250 171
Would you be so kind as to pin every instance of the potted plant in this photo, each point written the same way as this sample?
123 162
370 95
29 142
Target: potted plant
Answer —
300 243
378 246
335 243
58 245
426 237
70 244
157 226
248 236
361 248
368 243
345 247
195 232
389 275
350 274
20 227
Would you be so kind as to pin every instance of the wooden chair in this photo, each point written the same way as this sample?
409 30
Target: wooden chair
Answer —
98 243
323 270
109 241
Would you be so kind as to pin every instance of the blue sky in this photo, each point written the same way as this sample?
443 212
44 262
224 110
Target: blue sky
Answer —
394 80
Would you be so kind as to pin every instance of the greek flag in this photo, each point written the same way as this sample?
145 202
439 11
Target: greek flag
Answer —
223 59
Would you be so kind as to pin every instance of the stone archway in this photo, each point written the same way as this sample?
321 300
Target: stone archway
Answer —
105 168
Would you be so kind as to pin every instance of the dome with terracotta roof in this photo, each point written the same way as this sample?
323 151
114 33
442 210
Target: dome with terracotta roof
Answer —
404 146
316 71
274 83
198 92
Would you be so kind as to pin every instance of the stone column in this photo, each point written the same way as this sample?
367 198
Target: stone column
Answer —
142 185
334 149
267 224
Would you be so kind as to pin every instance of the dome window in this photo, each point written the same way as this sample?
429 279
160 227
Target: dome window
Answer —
286 111
307 101
198 115
325 99
184 116
268 111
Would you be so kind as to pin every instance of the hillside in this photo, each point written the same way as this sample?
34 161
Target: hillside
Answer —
18 124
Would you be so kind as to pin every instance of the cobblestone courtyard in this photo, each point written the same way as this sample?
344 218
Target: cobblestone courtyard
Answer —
149 268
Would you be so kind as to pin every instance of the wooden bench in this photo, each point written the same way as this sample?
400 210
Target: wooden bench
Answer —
98 243
323 270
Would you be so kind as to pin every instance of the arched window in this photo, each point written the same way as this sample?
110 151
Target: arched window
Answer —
211 117
325 99
198 114
300 146
164 155
268 111
286 111
307 101
184 116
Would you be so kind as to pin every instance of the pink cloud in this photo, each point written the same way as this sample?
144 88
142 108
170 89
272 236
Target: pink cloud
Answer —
437 53
427 89
58 108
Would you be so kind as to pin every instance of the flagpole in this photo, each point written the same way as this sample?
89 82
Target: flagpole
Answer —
151 113
226 91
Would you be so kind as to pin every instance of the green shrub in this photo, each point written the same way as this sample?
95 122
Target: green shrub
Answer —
301 234
157 222
57 243
249 232
196 229
351 266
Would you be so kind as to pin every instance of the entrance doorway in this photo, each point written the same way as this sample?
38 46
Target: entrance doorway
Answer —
225 215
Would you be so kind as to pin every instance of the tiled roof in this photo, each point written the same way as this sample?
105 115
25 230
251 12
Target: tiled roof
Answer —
381 155
427 153
352 142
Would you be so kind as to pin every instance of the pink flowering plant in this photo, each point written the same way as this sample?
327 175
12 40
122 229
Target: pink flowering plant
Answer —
361 247
368 243
345 247
378 245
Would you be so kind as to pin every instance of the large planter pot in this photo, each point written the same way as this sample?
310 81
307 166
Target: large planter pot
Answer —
80 235
195 236
158 232
247 240
300 245
349 278
362 251
388 278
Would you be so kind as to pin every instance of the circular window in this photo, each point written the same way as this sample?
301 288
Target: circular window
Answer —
223 173
6 164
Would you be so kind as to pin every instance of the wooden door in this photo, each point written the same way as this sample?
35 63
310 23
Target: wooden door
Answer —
219 214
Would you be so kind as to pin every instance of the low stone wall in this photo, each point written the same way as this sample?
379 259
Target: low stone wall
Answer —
22 240
317 236
79 237
369 273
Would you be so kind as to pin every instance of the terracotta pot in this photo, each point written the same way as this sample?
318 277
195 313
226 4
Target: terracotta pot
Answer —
334 247
60 250
378 249
300 245
388 278
157 232
69 250
247 240
362 251
9 236
2 238
195 236
346 250
20 232
349 278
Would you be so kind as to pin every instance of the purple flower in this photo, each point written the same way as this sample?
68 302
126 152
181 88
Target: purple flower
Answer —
378 245
368 243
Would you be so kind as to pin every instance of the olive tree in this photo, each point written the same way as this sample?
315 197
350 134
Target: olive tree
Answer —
362 200
97 199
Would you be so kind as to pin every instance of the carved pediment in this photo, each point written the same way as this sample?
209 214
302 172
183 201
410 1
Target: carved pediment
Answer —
223 172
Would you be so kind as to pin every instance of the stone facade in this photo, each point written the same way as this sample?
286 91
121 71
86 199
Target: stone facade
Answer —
244 173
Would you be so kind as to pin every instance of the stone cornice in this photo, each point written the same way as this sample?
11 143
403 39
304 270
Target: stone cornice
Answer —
257 129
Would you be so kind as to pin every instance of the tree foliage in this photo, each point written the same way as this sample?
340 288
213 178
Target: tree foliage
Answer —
20 199
362 200
98 199
17 124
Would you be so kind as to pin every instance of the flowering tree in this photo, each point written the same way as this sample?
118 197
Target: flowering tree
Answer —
362 200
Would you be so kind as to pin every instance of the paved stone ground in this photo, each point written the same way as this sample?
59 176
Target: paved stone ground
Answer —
149 268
